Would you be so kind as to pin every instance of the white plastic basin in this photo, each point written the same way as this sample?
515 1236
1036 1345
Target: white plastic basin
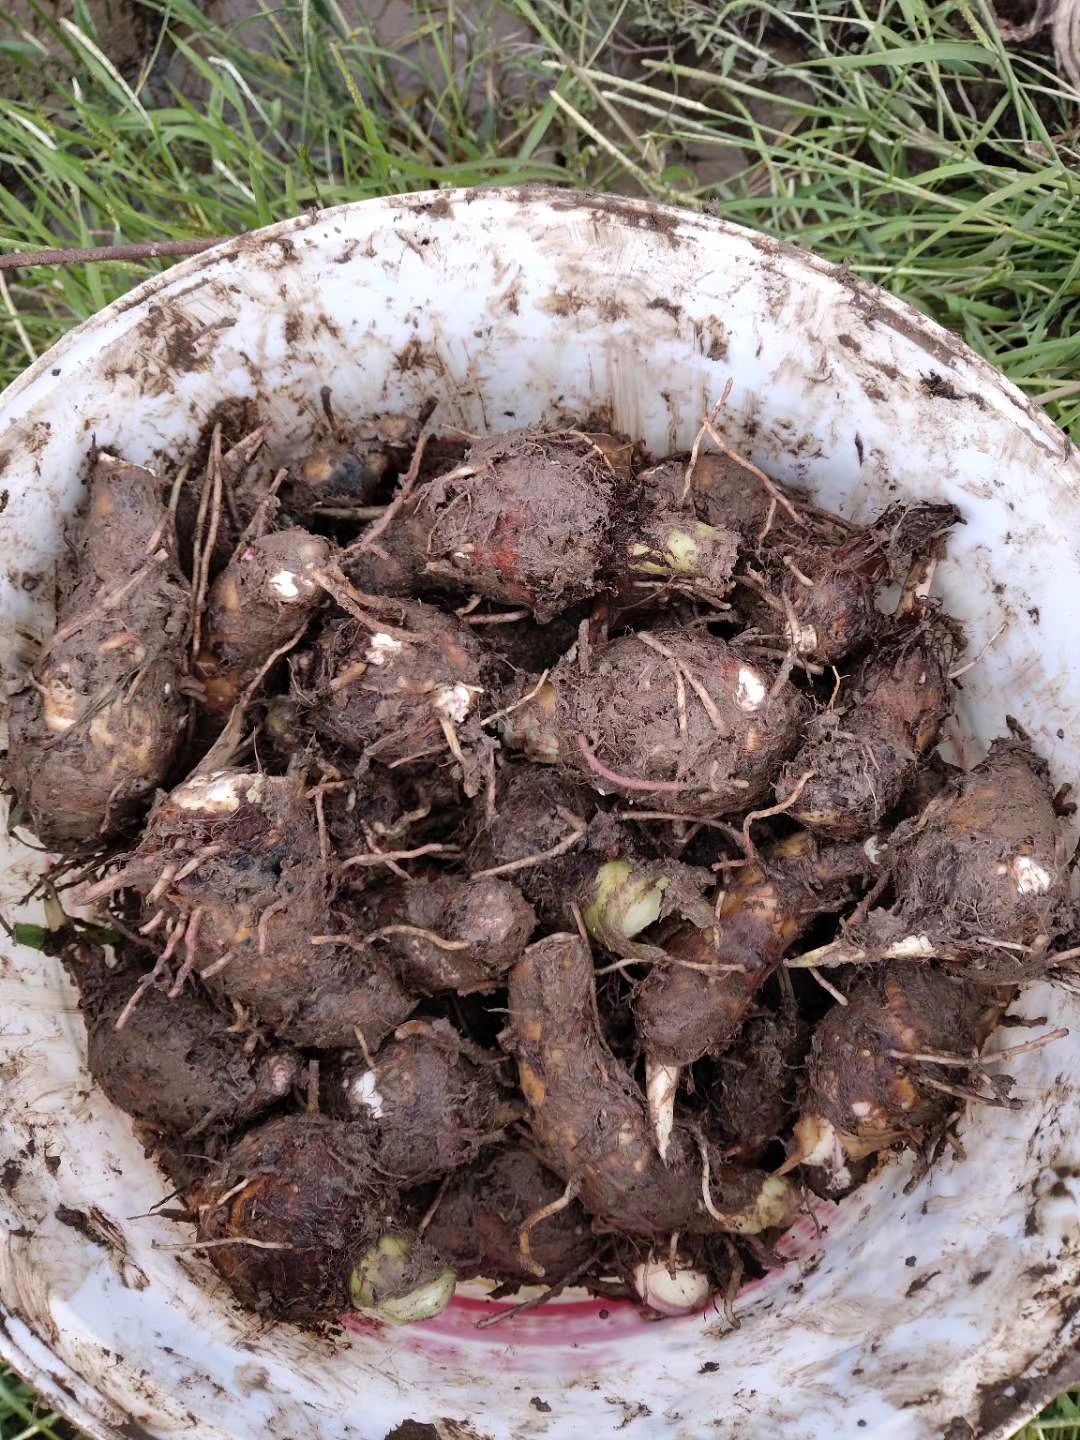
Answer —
949 1311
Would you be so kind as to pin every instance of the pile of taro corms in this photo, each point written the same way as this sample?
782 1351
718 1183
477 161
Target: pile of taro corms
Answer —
518 858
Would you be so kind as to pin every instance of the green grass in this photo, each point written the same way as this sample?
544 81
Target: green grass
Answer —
1060 1422
22 1416
900 136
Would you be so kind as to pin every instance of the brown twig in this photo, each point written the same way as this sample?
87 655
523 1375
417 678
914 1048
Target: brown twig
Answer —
780 808
490 785
963 1092
797 633
388 516
770 516
707 702
365 1048
420 933
680 699
584 649
208 852
695 449
826 985
838 680
228 744
191 932
383 857
755 582
430 1212
870 899
93 254
1061 1033
352 601
349 512
320 821
718 905
349 941
266 915
225 1240
1059 957
216 1204
175 937
783 675
349 676
101 607
509 709
253 529
731 1289
675 961
179 480
218 965
834 952
507 617
977 1062
586 938
206 553
453 744
917 583
375 848
116 881
963 669
537 1217
720 1216
770 485
800 575
527 862
402 823
535 1301
628 782
675 815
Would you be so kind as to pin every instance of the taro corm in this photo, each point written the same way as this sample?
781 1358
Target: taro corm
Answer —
518 857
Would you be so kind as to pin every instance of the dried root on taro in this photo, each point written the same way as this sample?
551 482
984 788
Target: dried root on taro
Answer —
175 1065
344 475
684 556
452 933
819 598
400 685
872 1080
263 597
100 722
755 1083
727 494
554 739
588 1120
982 877
530 518
696 1004
301 1227
862 757
539 820
231 862
675 720
479 1219
426 1106
525 519
598 869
